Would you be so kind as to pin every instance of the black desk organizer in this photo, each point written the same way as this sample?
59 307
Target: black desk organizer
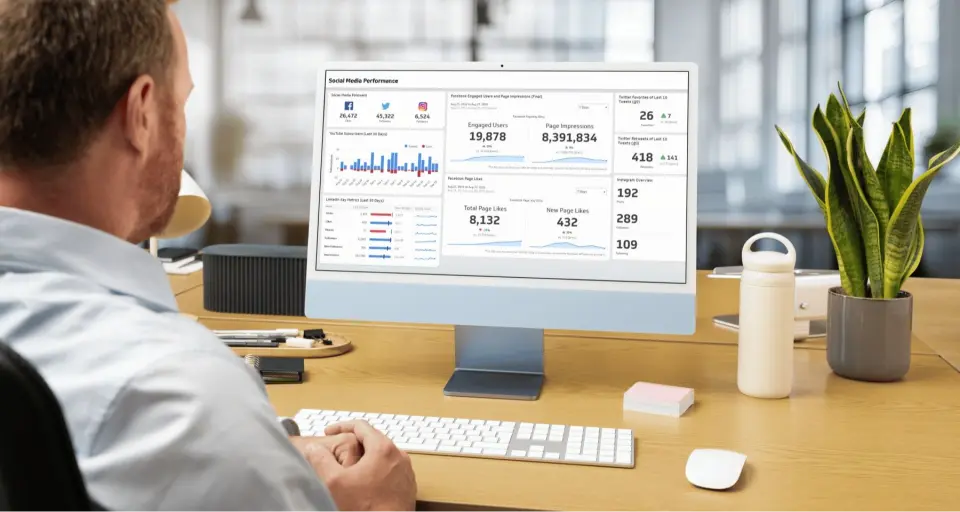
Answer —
254 279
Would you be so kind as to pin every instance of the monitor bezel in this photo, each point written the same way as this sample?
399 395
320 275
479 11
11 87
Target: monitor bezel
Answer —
688 287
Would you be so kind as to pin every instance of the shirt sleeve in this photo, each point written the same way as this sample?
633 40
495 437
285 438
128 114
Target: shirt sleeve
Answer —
197 432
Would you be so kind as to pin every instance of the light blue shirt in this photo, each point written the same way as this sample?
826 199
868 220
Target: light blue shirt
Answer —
162 414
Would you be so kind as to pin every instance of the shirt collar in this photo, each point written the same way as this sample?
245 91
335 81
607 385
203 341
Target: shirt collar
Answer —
33 242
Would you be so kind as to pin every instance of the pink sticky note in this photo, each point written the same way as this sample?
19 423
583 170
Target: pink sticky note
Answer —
658 399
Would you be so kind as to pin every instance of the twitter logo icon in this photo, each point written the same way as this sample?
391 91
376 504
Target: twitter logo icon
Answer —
385 105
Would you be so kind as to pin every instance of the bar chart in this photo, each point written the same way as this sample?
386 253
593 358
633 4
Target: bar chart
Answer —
390 164
385 162
387 231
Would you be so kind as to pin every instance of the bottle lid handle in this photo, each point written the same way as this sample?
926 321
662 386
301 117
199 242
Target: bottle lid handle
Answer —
791 254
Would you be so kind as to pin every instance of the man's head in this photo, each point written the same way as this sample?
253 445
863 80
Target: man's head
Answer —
92 96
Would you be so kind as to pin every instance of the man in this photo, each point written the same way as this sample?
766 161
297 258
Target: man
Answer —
161 413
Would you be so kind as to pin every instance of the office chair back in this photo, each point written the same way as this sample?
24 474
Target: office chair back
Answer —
38 467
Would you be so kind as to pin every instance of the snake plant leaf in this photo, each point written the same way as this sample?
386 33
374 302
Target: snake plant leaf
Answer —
839 122
870 231
916 251
841 223
904 222
862 117
895 170
858 121
906 125
814 180
859 164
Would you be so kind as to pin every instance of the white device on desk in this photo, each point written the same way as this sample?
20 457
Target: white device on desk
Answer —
505 199
810 303
715 469
487 438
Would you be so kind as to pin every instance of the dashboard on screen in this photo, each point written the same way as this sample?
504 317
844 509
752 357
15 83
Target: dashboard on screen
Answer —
574 175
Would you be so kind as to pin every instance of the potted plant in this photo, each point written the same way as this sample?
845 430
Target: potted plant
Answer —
873 219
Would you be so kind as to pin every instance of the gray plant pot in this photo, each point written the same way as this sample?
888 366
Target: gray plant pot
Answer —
869 339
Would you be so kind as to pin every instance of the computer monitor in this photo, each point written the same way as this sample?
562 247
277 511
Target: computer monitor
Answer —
505 199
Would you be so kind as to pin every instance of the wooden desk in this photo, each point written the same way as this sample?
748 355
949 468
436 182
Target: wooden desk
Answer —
714 297
184 283
834 444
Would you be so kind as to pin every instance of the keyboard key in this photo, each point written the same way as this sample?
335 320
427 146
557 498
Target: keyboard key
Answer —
487 438
491 446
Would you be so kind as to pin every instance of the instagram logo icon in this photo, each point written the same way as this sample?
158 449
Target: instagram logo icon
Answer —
422 107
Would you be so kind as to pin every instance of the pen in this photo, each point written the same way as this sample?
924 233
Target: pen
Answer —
257 333
258 337
272 343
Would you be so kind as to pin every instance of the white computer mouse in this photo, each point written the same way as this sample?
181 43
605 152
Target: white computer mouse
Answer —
714 469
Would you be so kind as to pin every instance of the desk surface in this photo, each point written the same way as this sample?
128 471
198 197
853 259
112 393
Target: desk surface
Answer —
834 444
714 297
181 284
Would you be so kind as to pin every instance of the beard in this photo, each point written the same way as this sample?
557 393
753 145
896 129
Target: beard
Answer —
160 181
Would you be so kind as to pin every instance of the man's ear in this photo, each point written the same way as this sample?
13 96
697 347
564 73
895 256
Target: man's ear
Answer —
141 112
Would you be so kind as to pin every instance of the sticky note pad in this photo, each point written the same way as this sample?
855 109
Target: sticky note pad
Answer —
658 399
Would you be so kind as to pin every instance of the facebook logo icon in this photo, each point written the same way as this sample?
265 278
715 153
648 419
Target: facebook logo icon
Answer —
348 105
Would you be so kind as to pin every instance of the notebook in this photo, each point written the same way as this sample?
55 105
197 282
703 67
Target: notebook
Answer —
277 370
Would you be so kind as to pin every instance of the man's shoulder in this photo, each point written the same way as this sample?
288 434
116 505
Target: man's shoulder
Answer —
90 344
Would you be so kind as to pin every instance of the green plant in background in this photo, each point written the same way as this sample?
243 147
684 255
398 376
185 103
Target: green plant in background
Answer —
947 134
872 213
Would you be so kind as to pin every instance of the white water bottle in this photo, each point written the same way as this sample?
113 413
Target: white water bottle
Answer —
767 294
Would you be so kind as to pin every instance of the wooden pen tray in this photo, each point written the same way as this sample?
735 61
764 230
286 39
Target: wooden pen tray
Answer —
340 345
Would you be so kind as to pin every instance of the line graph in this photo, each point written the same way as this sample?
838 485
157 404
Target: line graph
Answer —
509 243
492 158
568 245
574 160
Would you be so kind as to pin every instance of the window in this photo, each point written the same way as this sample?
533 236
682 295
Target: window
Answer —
629 31
781 58
792 78
894 43
271 64
741 85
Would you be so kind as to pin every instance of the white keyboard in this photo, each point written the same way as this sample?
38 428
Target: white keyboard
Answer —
488 439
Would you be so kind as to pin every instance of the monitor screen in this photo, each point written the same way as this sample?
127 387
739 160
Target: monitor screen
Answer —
525 174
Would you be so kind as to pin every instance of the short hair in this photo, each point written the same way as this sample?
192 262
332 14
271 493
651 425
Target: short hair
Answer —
64 66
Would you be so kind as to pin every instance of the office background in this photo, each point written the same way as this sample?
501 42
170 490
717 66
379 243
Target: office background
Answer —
762 62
